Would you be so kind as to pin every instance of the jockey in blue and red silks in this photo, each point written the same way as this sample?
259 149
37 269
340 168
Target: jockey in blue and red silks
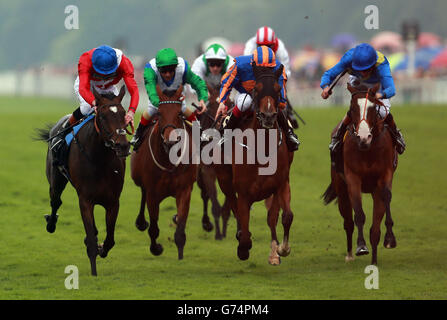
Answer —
367 67
241 77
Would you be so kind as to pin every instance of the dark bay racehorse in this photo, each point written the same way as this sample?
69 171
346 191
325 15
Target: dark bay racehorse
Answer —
96 166
369 162
206 178
158 176
242 183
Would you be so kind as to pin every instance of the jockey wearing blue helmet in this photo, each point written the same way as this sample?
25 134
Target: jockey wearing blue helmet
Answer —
104 60
366 67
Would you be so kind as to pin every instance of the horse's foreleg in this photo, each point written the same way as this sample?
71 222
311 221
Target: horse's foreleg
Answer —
141 222
374 233
91 241
182 200
286 218
272 220
243 217
153 207
355 196
109 242
57 185
390 239
225 212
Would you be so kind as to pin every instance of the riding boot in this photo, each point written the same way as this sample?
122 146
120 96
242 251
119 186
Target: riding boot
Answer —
291 117
337 140
137 139
57 144
291 139
396 134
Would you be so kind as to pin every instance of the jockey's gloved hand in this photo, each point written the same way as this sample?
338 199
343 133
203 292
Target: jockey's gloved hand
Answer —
222 110
326 93
129 117
202 105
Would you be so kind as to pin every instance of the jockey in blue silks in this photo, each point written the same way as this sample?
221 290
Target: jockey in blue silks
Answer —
366 67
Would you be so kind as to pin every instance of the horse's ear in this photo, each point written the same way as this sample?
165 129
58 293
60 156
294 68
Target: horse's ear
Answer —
351 88
96 95
122 93
279 71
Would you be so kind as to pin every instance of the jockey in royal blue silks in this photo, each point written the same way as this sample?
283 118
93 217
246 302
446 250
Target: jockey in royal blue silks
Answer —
241 77
366 67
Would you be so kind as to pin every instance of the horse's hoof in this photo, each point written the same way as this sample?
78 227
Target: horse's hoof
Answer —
51 222
207 226
282 251
157 249
142 226
349 258
361 251
390 242
218 237
101 252
275 261
243 254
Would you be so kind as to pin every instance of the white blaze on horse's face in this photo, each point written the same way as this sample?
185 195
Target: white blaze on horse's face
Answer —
364 130
113 109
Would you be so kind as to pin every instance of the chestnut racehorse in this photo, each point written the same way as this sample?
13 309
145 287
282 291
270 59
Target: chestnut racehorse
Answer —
206 178
369 162
158 176
242 183
96 167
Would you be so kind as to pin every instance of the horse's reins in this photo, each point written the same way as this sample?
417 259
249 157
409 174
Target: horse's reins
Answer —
110 142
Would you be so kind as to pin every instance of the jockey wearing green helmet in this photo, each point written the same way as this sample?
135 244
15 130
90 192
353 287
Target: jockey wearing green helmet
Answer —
169 72
212 64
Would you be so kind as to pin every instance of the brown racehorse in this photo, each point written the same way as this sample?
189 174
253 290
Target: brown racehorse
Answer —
370 160
245 180
206 178
158 177
96 166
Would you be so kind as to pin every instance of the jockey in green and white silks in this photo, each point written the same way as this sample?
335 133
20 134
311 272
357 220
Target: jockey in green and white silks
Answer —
366 67
212 64
169 72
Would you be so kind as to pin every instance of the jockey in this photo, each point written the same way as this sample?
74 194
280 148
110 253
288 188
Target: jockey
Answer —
102 68
241 77
212 65
366 67
169 72
265 36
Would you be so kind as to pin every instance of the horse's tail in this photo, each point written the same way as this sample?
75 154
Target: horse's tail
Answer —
329 195
42 134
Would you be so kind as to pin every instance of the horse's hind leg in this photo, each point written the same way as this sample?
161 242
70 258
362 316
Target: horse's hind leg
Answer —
243 235
182 199
390 239
141 222
286 218
272 220
206 223
374 233
91 240
57 185
109 242
210 187
225 212
153 207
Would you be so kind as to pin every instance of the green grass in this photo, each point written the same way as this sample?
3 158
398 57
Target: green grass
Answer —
32 261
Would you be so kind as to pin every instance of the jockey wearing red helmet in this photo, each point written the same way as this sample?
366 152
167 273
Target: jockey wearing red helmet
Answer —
265 36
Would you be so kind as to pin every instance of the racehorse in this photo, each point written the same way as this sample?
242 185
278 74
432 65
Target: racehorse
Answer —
369 162
244 179
206 177
158 177
96 167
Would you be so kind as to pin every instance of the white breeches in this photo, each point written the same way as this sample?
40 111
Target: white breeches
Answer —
84 106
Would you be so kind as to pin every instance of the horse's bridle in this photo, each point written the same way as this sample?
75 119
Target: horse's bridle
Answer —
353 130
109 141
259 114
